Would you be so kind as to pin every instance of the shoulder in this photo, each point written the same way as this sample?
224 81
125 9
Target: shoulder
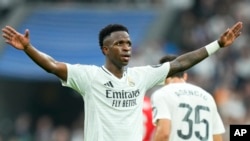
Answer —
151 69
202 91
172 87
82 66
151 66
162 92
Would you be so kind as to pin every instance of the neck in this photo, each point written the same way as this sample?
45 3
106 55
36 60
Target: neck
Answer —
174 80
118 72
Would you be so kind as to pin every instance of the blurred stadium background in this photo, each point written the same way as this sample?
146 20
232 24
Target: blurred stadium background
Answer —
35 107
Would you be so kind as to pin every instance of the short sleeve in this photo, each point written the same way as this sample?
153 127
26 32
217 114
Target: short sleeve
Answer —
161 108
79 77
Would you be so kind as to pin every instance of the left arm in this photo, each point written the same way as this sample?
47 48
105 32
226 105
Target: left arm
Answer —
187 60
162 131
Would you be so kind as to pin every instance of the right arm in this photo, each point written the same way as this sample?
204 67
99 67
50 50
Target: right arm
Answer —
22 42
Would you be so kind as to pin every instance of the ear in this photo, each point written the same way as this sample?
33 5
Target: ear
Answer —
105 50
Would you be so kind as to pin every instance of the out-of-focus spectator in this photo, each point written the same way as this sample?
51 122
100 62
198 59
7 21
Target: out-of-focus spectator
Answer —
23 127
228 102
44 128
242 66
6 6
77 129
61 133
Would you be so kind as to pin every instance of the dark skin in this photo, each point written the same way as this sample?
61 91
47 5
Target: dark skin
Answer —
117 50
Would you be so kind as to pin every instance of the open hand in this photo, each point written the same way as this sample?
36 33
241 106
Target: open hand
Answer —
229 36
16 39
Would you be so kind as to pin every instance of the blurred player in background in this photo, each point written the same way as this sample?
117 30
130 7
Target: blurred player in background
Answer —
185 112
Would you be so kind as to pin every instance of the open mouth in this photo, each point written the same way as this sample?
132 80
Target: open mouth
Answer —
126 57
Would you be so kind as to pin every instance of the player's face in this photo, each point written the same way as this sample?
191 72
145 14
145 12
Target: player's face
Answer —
119 48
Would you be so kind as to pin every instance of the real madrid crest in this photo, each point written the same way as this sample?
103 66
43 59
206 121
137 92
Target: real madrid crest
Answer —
130 82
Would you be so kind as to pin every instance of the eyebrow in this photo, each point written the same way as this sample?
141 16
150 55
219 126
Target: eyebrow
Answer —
123 41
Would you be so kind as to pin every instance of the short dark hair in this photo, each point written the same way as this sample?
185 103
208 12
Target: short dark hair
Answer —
168 58
107 30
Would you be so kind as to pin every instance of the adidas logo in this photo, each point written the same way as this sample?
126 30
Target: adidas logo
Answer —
109 84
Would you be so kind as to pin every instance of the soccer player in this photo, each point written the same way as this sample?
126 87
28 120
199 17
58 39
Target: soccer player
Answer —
184 112
113 93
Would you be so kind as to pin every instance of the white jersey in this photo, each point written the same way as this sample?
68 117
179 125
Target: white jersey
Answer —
192 111
113 106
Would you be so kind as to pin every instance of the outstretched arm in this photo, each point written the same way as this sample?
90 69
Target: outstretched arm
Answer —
22 42
187 60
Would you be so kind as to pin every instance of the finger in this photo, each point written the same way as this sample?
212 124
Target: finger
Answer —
11 30
225 33
238 24
237 27
8 42
6 31
26 33
7 37
237 35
